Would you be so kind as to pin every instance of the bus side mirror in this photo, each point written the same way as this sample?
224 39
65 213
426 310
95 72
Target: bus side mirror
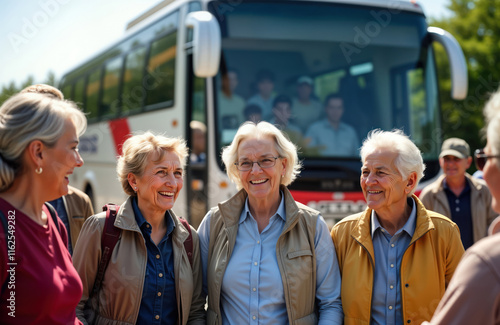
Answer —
458 66
205 43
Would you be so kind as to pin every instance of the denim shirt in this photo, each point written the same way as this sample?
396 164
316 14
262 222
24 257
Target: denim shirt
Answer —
389 251
158 304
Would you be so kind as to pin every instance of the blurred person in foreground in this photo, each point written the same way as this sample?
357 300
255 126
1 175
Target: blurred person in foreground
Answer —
456 194
473 296
149 279
75 207
396 258
38 151
267 258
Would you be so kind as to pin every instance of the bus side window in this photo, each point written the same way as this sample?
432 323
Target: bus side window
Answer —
67 91
133 93
79 91
109 102
160 81
92 94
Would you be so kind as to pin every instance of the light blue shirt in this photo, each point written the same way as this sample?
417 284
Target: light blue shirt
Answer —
252 284
341 142
386 298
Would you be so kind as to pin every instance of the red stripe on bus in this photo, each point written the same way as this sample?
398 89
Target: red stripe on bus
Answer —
120 131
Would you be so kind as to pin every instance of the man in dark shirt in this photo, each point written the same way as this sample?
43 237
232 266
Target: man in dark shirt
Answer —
464 199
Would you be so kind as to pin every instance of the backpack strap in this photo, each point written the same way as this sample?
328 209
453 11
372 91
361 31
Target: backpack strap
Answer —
188 243
109 238
53 214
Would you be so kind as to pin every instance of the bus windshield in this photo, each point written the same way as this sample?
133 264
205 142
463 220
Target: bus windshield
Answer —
326 74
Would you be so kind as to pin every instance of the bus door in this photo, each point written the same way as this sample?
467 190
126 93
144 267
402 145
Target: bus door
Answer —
197 166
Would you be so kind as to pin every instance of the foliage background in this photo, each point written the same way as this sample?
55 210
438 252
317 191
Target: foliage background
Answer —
476 26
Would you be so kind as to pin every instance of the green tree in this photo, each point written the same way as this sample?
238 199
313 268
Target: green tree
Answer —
12 88
474 24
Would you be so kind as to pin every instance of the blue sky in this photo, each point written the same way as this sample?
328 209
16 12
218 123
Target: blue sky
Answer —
39 36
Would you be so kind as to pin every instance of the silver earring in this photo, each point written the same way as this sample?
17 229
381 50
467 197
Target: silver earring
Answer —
39 170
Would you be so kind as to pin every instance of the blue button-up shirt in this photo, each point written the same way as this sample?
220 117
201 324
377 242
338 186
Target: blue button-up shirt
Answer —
389 250
252 287
158 303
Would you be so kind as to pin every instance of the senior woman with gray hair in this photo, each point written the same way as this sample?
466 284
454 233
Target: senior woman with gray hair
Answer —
396 258
38 151
149 279
266 258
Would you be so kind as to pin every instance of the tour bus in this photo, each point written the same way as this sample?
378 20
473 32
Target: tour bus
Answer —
209 61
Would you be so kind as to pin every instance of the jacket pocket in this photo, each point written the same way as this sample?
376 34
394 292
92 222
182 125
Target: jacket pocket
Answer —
306 320
304 252
211 317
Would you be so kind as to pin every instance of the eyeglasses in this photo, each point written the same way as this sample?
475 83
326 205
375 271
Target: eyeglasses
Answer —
480 158
246 165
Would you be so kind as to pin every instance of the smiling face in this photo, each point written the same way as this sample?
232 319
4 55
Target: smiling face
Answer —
454 167
159 185
384 189
62 159
261 183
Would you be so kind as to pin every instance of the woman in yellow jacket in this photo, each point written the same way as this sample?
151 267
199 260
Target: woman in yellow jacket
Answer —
396 258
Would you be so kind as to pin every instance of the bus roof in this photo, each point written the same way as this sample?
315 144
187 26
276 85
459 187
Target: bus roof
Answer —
407 5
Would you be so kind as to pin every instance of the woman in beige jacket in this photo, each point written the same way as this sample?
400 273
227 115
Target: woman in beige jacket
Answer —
149 279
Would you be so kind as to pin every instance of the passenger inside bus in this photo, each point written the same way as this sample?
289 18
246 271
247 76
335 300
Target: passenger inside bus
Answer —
331 136
198 146
306 108
253 113
282 112
265 95
231 105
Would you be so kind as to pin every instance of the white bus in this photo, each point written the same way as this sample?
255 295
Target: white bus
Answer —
179 62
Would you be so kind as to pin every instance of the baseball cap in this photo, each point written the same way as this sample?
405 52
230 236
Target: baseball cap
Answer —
455 147
305 80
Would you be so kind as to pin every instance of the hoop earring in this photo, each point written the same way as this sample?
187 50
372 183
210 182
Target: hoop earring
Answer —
39 170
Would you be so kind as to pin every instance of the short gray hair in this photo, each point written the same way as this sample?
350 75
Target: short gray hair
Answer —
250 130
492 106
409 158
492 127
26 117
138 150
493 136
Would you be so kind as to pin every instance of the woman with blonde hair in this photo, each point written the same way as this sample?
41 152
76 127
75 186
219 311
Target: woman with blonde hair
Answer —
38 151
149 279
